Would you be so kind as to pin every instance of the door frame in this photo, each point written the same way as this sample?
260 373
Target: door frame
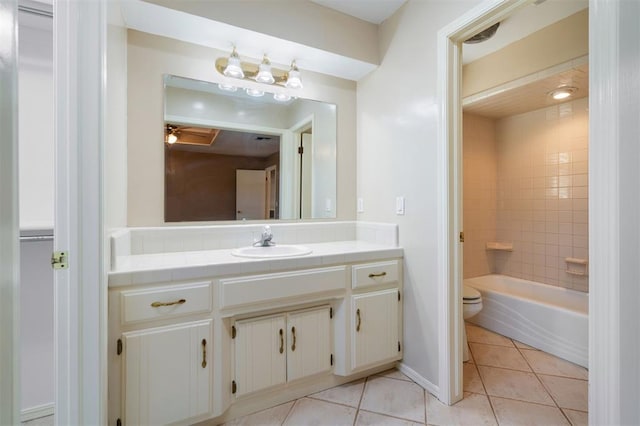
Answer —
450 319
9 219
80 319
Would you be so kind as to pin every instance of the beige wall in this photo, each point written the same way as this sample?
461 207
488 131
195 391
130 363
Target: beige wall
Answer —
543 193
555 44
149 57
480 164
300 21
398 118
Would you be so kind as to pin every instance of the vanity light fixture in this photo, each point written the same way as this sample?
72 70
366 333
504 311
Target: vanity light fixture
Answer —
172 137
262 73
234 67
256 93
293 78
562 92
227 87
281 97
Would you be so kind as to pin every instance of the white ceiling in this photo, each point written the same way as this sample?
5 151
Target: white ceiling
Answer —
532 92
374 11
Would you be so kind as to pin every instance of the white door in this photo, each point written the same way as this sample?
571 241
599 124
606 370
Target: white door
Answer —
167 374
374 328
306 172
271 208
251 194
309 343
260 355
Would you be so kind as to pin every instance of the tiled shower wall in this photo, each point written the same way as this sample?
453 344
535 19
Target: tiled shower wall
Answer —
480 165
541 194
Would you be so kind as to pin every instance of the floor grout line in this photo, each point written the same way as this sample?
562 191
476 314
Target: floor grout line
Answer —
289 412
364 389
493 411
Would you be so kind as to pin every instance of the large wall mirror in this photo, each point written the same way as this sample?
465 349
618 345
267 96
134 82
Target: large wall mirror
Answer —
231 156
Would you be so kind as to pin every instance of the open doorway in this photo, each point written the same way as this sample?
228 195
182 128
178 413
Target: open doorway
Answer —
477 240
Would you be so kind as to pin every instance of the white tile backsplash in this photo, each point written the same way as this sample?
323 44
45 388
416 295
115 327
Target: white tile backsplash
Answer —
141 241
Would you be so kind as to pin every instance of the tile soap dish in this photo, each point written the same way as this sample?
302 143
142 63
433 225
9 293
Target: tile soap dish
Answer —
499 246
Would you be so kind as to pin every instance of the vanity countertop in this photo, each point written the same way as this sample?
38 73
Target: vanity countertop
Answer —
143 269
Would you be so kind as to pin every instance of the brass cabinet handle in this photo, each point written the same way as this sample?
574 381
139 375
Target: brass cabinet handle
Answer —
281 341
358 320
293 333
204 353
381 274
175 302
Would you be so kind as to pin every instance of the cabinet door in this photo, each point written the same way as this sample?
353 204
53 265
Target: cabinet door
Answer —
308 342
260 354
167 374
374 328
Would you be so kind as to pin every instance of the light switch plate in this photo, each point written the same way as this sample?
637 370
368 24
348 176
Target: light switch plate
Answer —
360 205
400 205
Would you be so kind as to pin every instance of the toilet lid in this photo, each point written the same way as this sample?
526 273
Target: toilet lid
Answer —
470 294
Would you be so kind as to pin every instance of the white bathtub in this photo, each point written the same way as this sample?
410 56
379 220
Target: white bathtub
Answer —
549 318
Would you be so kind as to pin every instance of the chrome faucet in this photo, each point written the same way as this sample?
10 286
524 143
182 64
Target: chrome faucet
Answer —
265 238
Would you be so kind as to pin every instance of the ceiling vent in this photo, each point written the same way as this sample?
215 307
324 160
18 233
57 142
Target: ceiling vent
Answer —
483 35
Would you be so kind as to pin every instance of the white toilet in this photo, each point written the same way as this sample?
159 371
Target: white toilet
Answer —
471 305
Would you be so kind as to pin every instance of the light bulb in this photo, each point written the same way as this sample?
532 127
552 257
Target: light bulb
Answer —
281 97
256 93
264 73
172 138
562 92
234 68
227 87
293 78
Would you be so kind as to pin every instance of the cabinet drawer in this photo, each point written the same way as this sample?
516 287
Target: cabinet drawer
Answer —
262 288
165 302
370 274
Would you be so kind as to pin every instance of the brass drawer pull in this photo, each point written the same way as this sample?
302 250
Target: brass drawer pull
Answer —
381 274
204 353
293 333
281 341
358 320
176 302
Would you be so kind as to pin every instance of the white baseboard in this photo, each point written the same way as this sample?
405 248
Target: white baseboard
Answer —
36 412
413 375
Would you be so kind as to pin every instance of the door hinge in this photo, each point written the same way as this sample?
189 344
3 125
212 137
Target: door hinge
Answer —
398 295
331 359
300 150
462 236
119 347
233 331
330 312
59 260
234 387
118 422
398 345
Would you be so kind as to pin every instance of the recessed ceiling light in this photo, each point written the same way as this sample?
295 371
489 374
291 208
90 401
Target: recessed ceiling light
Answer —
562 92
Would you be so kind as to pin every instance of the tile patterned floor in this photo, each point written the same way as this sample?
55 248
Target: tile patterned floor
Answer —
505 383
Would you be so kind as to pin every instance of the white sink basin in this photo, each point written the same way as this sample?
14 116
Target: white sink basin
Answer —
272 251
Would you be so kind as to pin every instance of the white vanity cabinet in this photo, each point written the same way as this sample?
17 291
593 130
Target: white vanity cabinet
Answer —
167 373
275 349
162 345
372 315
375 328
214 347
